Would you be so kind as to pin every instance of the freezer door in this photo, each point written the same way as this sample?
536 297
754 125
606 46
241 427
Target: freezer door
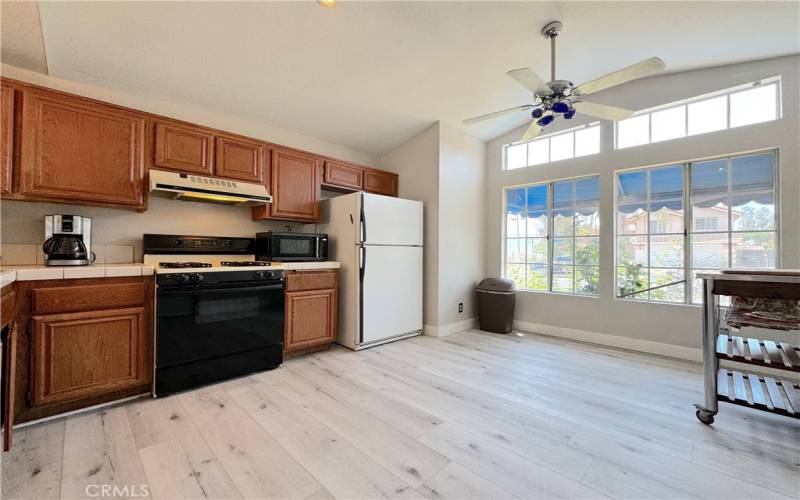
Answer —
391 221
391 292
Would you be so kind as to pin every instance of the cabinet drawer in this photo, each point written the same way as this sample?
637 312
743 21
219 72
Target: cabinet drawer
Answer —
68 298
297 281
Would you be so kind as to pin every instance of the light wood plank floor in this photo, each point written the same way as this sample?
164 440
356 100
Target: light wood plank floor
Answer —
471 415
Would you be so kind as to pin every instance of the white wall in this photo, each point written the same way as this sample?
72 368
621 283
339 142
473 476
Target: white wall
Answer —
23 222
677 325
417 163
462 217
444 167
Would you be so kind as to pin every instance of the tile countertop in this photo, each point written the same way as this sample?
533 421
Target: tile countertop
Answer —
10 274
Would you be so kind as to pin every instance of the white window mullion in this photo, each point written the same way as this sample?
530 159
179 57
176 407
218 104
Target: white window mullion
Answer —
550 227
688 226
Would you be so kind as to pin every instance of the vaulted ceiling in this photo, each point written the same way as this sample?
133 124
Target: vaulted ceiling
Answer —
369 75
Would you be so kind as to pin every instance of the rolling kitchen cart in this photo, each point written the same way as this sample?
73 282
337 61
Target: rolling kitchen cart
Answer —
765 299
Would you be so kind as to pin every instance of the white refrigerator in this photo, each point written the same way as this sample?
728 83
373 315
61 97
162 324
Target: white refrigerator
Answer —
378 241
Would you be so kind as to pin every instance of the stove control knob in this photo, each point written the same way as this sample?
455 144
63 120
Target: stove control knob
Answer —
259 275
196 277
181 278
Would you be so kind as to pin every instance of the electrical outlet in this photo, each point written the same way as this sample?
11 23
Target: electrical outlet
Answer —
461 307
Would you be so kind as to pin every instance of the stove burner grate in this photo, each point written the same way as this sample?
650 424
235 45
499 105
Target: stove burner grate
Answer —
182 265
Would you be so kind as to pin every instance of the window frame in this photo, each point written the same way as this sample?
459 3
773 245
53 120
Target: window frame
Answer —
550 238
688 218
727 93
573 130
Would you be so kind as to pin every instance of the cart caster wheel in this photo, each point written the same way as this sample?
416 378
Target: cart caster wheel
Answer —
705 416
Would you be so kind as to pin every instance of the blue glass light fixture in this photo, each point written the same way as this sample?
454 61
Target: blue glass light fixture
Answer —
561 107
545 120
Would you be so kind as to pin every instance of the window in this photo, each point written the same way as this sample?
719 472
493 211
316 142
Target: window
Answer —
731 205
751 103
552 236
581 141
706 223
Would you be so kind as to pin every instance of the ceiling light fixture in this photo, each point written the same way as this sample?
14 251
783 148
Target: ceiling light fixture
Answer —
328 4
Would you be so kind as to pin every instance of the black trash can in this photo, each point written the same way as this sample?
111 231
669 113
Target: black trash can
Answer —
496 298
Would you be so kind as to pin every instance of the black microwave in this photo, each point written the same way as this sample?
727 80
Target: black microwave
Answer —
291 246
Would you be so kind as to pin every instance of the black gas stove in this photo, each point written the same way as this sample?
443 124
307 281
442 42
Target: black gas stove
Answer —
213 323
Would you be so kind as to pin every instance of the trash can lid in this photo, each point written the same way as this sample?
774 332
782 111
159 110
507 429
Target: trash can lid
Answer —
495 285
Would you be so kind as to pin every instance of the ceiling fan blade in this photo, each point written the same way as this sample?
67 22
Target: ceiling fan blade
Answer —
532 131
496 114
603 111
530 80
638 70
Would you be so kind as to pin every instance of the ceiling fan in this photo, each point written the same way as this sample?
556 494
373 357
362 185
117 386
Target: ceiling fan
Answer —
562 97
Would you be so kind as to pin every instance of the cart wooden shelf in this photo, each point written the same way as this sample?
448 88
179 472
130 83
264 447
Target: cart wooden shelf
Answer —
780 395
759 391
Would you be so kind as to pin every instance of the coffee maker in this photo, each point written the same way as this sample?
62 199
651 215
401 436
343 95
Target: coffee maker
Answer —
68 240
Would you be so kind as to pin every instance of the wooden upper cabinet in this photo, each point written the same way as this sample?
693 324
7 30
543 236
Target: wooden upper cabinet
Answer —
240 159
74 150
294 185
380 182
343 175
6 137
86 354
184 148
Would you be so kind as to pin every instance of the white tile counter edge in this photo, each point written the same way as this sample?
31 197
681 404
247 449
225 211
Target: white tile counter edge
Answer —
296 266
10 274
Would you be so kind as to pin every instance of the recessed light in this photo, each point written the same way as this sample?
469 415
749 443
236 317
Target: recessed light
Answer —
328 4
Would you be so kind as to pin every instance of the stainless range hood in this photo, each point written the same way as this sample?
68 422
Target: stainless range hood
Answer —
192 187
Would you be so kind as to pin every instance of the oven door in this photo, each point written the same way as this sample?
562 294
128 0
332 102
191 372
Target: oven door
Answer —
209 334
295 247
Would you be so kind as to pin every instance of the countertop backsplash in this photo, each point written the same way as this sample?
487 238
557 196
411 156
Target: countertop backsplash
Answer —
117 234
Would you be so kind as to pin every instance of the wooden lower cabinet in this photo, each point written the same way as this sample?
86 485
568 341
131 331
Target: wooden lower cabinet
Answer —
310 314
77 355
82 342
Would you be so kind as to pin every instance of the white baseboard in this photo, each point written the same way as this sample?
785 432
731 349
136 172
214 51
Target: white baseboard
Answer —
648 346
458 326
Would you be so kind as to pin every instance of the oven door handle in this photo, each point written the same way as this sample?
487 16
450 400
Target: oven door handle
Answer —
205 291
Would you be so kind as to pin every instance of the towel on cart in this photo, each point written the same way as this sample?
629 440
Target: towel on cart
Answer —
776 314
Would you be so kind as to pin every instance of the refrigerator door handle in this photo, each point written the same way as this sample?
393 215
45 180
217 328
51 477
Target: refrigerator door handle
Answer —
363 221
362 267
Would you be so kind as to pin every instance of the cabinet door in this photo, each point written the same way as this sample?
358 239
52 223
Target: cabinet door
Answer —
310 319
9 356
183 148
6 137
343 175
240 159
79 151
85 354
295 182
380 182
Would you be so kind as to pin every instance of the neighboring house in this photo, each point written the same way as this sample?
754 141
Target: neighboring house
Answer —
710 238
